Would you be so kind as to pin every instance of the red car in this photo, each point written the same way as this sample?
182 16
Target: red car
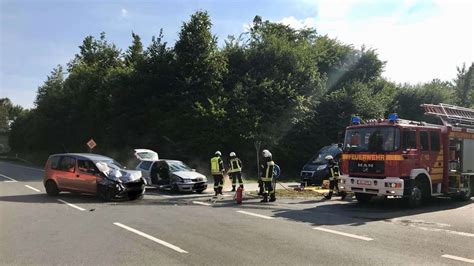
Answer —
91 174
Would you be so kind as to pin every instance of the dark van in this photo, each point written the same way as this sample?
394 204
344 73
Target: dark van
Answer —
316 170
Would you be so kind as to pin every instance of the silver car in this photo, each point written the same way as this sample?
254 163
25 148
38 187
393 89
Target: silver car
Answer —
169 174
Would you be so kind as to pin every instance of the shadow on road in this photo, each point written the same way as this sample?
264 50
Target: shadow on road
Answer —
350 212
30 198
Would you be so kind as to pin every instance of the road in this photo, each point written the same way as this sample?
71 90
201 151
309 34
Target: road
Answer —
165 229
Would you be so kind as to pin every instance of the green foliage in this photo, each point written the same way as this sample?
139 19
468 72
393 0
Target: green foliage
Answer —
409 98
199 95
8 113
464 86
293 90
3 118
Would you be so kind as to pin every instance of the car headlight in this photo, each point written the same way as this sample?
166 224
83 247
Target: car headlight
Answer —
322 167
186 180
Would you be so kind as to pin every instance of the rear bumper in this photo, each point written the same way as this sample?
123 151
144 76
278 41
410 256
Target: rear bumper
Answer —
389 186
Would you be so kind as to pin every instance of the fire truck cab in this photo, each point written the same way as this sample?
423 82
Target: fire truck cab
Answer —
410 159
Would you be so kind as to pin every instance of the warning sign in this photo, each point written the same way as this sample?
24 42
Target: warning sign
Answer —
91 144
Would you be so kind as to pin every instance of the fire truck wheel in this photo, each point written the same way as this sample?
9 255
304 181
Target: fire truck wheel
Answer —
414 200
363 198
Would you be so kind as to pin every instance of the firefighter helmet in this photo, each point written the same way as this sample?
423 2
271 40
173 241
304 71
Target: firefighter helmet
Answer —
329 158
218 153
232 154
266 153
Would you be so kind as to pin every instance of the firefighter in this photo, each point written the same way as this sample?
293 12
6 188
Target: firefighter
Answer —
334 174
266 175
217 171
235 170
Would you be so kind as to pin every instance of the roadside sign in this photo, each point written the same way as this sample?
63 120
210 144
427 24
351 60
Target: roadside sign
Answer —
91 144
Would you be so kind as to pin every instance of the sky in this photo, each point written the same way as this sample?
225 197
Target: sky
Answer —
419 39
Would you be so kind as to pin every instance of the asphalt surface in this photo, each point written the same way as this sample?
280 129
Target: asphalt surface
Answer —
189 229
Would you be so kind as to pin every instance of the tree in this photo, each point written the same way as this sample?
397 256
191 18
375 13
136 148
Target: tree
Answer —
8 113
134 55
4 127
409 98
464 86
50 93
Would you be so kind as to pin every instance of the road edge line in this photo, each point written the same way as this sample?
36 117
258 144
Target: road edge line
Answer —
152 238
71 205
22 166
202 203
447 256
32 188
257 215
11 179
343 234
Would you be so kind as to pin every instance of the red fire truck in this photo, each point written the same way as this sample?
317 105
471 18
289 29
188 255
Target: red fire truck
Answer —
410 159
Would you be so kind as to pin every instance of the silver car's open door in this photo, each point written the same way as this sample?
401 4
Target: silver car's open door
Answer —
146 155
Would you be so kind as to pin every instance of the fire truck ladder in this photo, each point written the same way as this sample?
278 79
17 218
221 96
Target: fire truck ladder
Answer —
451 115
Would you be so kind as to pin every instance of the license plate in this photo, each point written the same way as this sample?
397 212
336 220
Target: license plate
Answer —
363 182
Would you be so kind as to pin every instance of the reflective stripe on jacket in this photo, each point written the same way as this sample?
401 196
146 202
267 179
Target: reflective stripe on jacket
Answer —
235 165
334 172
268 171
216 165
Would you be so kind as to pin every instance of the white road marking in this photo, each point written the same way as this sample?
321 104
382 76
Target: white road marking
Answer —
32 188
71 205
202 203
256 215
343 234
10 180
457 258
417 223
446 231
154 239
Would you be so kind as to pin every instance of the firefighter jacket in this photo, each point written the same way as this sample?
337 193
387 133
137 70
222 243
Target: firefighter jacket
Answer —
266 170
334 172
217 165
235 165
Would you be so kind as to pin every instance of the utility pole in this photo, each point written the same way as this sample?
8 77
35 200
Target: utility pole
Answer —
257 145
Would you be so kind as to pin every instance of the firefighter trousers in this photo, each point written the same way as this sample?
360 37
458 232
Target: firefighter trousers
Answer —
268 190
236 177
332 185
218 183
